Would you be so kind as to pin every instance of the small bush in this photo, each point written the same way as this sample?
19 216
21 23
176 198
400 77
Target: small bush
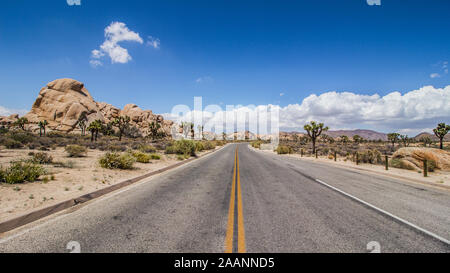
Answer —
283 150
155 157
147 148
182 147
76 151
199 146
116 148
256 144
12 144
140 156
209 145
42 158
20 172
117 161
182 157
68 164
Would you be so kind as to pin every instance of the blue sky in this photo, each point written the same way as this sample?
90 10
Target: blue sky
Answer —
243 52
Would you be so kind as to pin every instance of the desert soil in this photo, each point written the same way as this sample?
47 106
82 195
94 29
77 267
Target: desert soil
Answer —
86 176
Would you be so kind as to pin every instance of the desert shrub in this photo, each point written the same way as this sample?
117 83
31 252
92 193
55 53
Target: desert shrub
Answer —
61 164
182 147
220 142
182 157
12 144
199 146
431 165
155 157
117 161
283 150
20 172
370 156
146 148
209 145
76 151
256 144
140 156
116 148
22 137
41 158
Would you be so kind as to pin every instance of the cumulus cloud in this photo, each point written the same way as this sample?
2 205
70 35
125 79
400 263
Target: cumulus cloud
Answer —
415 111
434 75
206 79
7 111
153 42
116 33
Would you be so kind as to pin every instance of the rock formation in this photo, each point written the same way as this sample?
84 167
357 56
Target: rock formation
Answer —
413 157
63 101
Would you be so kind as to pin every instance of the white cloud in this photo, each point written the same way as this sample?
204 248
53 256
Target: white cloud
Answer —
116 33
434 75
95 63
413 112
281 94
206 79
7 111
153 42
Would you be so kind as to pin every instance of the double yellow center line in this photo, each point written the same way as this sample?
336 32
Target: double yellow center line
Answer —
240 219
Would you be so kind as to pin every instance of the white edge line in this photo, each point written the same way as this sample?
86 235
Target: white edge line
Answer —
63 213
387 213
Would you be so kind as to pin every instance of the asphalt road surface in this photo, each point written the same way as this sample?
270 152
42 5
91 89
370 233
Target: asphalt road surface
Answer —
241 200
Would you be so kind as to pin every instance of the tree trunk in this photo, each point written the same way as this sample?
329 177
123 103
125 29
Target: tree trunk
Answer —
40 132
92 136
314 145
120 135
441 145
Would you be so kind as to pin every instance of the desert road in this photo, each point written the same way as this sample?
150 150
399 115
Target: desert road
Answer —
241 200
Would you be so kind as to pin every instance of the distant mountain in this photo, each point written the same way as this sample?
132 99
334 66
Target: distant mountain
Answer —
432 136
366 134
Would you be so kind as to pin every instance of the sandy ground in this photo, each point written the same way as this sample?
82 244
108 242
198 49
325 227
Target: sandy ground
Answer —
437 177
86 176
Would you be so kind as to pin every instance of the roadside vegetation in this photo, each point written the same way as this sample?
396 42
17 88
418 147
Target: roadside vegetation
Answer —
399 149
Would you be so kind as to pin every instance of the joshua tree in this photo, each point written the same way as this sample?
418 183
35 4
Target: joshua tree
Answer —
200 130
107 130
224 136
344 139
95 127
314 130
42 126
393 138
327 138
82 123
122 124
357 139
426 140
405 139
21 122
440 131
154 130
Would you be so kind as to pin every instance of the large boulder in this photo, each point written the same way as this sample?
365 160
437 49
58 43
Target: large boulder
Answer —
414 156
61 103
8 121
